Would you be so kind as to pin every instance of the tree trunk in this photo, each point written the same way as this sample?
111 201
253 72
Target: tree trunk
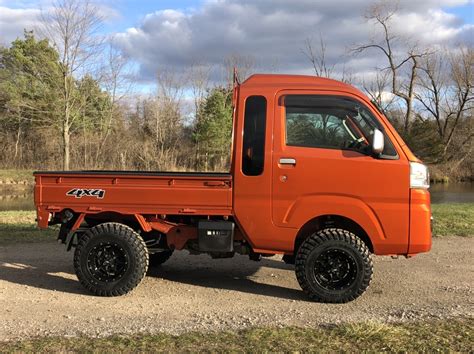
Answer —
66 147
406 125
17 144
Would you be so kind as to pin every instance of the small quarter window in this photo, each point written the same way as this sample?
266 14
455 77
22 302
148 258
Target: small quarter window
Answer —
253 151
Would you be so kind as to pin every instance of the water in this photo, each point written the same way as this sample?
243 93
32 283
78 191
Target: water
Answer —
440 193
452 193
16 199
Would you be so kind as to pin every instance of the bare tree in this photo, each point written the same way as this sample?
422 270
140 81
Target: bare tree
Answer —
163 116
347 75
403 70
377 89
447 95
116 78
245 66
317 57
199 76
72 27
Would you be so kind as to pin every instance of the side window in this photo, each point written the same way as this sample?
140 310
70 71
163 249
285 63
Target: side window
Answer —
331 122
253 150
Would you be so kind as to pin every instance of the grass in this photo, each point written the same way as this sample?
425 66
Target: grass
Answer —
453 219
20 226
20 218
13 177
442 335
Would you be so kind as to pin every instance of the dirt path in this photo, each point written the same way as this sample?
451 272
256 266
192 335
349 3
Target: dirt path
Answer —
40 295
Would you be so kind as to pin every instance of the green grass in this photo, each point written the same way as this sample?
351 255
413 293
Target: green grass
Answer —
16 177
20 227
443 335
453 219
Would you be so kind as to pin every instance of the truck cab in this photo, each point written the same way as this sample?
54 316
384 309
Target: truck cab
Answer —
318 175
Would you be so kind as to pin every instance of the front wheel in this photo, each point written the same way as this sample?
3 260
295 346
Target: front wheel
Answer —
110 259
333 265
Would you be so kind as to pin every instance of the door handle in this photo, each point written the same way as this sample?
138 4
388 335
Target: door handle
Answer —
215 183
287 161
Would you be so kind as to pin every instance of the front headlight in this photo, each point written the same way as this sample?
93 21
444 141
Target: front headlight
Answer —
419 176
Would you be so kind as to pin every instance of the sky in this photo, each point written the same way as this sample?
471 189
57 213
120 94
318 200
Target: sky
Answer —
163 34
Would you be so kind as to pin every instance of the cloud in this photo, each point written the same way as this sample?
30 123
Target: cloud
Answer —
274 31
14 21
25 14
431 27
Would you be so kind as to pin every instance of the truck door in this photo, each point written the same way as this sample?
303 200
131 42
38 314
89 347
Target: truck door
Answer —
252 171
322 164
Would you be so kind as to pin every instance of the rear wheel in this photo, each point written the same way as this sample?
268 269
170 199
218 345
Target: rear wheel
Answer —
110 259
333 265
156 259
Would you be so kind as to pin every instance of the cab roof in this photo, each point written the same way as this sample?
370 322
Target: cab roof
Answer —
290 81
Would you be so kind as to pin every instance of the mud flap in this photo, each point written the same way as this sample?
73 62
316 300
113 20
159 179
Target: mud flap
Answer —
71 240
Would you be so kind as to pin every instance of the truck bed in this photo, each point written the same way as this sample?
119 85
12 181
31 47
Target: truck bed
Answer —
134 192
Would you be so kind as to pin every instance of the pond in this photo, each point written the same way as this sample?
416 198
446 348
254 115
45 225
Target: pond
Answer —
452 193
440 193
16 199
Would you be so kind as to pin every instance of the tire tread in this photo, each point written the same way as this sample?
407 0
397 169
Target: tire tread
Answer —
320 237
133 239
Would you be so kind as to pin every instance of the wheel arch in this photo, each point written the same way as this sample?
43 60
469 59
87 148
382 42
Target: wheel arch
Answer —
349 211
129 220
331 221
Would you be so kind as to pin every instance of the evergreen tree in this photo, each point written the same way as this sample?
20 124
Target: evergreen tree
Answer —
213 130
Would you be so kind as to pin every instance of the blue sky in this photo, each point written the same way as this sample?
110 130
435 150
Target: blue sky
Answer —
465 12
132 12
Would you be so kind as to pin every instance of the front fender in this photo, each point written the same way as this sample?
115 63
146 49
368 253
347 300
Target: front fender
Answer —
309 207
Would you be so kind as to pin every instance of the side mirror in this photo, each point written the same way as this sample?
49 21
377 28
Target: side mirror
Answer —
377 142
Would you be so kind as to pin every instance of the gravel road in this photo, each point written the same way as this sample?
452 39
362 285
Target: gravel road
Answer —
40 295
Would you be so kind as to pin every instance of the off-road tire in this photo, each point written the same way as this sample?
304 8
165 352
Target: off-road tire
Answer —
127 242
157 259
323 247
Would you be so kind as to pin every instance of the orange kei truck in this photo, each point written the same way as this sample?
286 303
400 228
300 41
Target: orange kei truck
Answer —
318 175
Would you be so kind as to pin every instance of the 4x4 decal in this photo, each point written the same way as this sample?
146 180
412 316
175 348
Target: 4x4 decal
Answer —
79 193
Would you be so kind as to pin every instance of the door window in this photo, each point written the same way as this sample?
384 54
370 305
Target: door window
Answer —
253 150
331 122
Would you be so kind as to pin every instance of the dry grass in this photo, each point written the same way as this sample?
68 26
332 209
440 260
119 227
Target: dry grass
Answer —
16 177
14 217
430 336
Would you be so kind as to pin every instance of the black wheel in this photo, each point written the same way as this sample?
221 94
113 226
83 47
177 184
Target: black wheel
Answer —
110 259
333 265
159 258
